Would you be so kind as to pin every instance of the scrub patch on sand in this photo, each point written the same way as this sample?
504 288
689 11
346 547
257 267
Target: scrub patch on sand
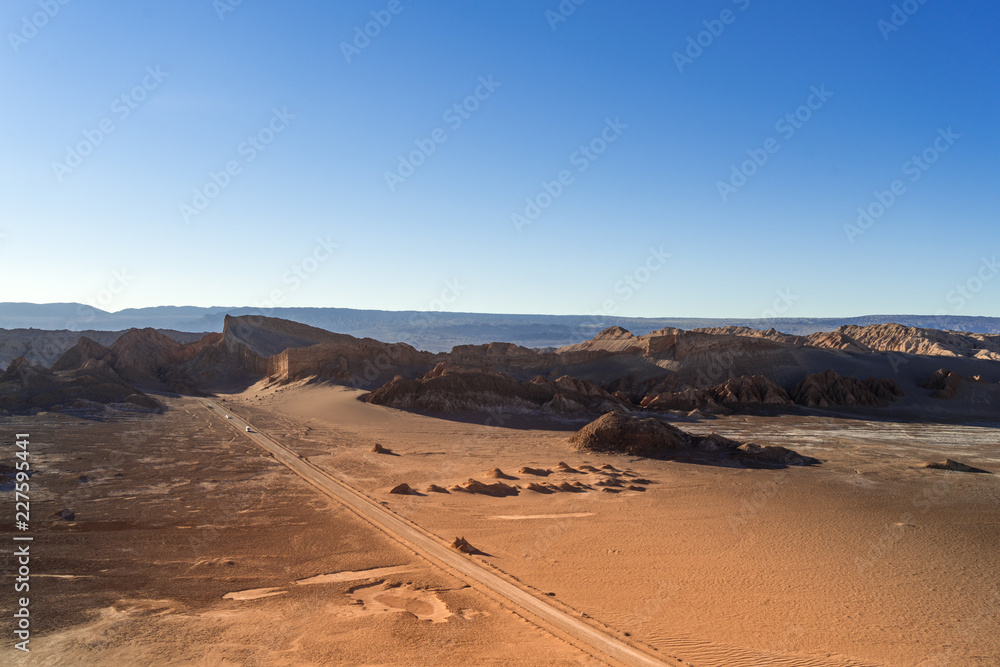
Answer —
376 573
253 594
424 604
514 517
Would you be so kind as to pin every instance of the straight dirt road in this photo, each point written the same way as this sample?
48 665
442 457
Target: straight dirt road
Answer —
523 602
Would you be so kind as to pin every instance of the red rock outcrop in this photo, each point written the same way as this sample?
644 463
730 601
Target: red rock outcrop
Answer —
750 391
830 389
744 392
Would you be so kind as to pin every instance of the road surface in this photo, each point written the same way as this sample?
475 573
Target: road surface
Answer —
576 630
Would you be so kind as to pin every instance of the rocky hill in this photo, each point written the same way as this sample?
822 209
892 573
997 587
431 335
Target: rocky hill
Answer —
87 390
43 347
449 388
928 342
742 393
623 434
830 389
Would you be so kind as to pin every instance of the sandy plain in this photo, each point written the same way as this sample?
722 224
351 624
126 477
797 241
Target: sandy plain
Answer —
867 558
191 546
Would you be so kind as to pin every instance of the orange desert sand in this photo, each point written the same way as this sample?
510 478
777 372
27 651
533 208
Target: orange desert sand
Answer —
192 545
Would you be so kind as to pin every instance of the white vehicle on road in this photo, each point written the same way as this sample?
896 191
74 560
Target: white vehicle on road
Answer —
248 429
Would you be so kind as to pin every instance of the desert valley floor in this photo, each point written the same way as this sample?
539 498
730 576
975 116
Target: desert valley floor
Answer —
190 544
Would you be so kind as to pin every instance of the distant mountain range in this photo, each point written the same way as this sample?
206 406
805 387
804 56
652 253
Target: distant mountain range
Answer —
439 331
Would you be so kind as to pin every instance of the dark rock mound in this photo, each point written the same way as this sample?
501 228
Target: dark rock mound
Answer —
772 454
572 488
944 384
145 402
449 388
687 400
739 393
497 489
461 544
84 351
91 388
434 488
830 389
749 391
403 490
540 472
538 488
617 433
949 464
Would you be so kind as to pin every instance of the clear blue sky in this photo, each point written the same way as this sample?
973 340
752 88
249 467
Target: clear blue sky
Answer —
66 230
